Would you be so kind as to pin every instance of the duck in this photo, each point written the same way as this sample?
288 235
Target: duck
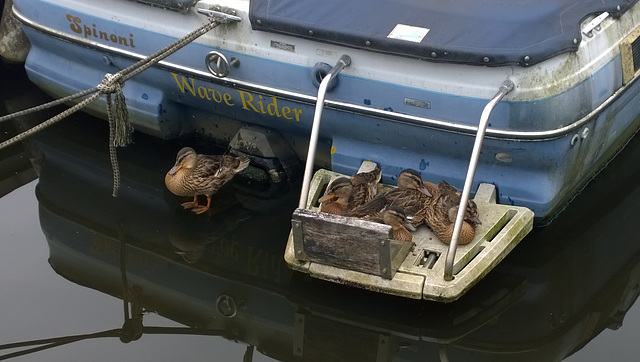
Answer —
431 187
411 195
442 213
344 194
337 196
365 187
395 217
196 174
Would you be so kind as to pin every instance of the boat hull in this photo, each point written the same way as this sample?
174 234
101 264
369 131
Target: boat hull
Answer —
566 118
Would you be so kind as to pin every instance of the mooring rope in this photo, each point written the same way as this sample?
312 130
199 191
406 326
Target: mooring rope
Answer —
120 129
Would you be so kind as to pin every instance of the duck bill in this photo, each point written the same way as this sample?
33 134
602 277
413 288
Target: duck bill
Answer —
326 197
424 190
409 226
174 169
476 220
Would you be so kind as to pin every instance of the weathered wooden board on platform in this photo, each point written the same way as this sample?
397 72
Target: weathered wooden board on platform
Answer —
347 242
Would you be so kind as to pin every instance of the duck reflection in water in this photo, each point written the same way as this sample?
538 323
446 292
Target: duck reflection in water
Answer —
197 174
191 236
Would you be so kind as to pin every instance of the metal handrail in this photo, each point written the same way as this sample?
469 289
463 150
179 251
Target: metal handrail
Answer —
343 62
506 87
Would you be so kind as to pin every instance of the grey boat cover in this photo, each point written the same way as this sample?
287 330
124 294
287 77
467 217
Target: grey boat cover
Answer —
483 32
176 5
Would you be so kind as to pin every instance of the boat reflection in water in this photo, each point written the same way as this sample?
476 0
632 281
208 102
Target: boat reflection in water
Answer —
223 274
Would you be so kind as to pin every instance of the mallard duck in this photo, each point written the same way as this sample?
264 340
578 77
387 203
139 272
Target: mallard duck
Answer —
431 187
337 196
365 187
411 195
395 217
194 174
441 215
344 194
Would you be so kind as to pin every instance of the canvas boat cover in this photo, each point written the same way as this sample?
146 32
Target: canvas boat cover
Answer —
176 5
483 32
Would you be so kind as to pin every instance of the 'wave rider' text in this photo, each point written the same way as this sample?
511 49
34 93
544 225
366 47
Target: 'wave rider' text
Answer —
247 101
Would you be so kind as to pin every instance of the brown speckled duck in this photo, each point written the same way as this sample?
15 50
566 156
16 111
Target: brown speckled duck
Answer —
194 174
441 216
336 197
344 194
365 187
411 196
395 217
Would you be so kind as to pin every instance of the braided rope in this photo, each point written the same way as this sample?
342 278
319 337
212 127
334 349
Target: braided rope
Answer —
49 122
120 129
48 105
156 57
113 156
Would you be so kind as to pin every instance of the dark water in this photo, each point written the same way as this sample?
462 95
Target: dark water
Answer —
86 276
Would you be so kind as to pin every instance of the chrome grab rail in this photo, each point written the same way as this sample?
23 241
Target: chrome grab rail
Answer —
343 62
506 87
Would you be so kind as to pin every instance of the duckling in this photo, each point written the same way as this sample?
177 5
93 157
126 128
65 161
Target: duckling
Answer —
395 217
344 194
411 195
441 216
195 174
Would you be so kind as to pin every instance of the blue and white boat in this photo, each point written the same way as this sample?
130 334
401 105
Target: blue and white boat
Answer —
413 83
420 74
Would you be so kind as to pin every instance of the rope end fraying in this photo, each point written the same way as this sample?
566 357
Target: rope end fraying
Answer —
122 133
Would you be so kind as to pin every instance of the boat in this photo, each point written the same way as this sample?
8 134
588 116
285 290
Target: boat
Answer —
412 96
533 98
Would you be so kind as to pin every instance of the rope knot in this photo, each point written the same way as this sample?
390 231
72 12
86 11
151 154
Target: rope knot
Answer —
111 83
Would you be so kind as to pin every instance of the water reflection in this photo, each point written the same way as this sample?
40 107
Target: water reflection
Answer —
223 274
15 166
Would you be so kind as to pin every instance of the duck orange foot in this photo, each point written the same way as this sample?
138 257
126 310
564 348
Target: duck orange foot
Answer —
190 204
199 209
